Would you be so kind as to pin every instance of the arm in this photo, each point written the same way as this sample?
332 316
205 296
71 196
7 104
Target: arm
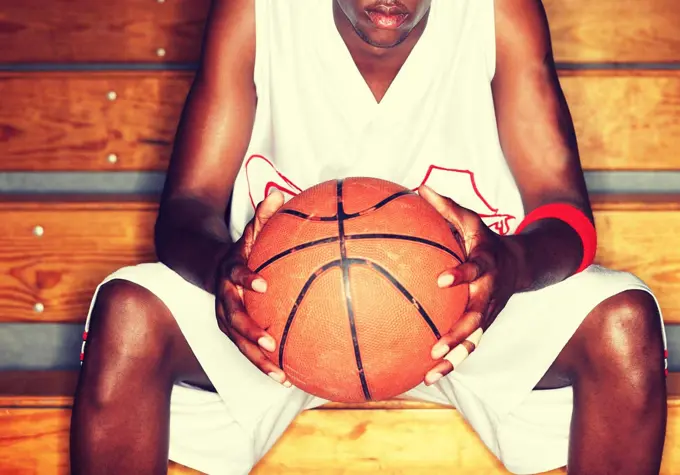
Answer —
213 135
538 140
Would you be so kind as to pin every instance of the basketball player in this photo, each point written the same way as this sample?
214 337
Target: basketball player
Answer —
566 359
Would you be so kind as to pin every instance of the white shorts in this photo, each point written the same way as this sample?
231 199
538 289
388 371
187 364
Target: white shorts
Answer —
229 431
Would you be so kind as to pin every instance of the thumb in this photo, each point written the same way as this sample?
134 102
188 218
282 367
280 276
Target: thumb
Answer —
266 209
462 274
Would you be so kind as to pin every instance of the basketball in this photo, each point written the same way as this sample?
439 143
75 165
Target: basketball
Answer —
352 297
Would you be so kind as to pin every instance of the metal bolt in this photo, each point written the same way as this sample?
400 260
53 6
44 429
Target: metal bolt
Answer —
39 307
38 231
160 52
112 158
112 96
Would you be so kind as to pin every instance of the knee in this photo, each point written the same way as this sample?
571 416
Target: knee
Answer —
623 339
128 322
126 341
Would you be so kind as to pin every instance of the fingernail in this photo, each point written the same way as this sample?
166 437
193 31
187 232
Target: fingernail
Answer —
439 350
287 384
433 378
259 285
445 280
278 377
267 343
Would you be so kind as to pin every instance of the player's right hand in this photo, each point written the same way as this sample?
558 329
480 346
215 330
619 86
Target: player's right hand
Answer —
233 277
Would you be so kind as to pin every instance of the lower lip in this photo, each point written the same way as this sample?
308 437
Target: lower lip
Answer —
387 22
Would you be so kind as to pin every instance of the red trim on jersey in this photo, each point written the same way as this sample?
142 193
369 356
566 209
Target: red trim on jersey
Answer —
295 189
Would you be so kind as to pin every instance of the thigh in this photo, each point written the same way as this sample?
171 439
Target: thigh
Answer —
121 294
521 351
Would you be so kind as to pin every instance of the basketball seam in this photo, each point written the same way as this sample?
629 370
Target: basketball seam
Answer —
298 302
357 237
348 216
344 265
403 290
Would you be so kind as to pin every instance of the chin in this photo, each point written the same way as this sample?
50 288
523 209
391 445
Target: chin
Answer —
382 38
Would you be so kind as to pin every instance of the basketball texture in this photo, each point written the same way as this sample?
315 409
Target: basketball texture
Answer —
352 297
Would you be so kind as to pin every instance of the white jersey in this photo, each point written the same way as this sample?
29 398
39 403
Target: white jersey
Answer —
317 119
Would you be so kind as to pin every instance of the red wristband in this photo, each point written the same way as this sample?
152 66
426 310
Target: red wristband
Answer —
575 218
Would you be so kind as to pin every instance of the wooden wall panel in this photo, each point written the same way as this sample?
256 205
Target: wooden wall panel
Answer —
68 122
68 31
83 242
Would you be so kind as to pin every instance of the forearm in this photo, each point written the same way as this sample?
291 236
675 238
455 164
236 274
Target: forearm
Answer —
545 253
192 238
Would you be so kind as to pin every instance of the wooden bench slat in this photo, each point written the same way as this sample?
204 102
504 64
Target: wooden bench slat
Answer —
82 242
353 438
343 441
55 389
63 31
133 30
66 122
611 31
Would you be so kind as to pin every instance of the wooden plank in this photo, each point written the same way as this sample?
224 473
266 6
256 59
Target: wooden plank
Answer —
625 120
64 31
82 242
36 442
51 389
67 121
641 242
37 389
409 441
610 31
133 30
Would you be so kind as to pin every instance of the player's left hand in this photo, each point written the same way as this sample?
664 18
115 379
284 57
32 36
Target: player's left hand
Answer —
489 270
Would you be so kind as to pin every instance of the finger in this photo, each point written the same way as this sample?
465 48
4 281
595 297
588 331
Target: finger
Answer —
238 321
438 372
260 360
461 330
454 358
240 274
452 212
266 209
465 273
465 349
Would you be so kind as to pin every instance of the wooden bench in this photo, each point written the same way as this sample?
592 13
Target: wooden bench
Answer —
98 87
54 252
391 437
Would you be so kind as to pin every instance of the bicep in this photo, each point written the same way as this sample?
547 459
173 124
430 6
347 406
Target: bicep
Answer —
535 126
217 119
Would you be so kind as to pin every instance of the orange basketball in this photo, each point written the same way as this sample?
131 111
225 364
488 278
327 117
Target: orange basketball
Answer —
352 297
